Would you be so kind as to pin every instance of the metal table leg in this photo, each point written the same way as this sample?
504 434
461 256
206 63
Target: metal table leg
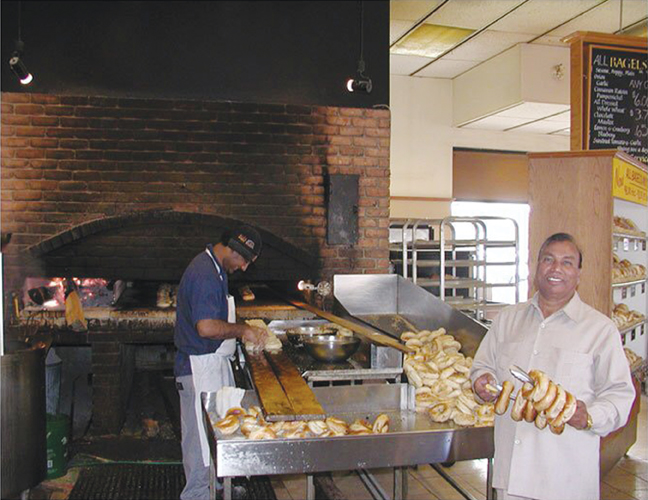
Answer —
227 488
400 483
310 487
490 492
212 479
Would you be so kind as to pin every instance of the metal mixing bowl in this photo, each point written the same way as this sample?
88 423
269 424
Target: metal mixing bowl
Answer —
331 348
296 335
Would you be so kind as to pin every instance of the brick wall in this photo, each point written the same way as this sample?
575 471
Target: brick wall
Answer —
68 160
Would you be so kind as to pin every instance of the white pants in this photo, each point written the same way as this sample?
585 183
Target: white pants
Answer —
196 474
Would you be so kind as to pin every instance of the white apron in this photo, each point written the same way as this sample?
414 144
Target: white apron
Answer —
210 372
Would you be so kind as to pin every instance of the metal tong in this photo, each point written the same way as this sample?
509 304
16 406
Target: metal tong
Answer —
520 374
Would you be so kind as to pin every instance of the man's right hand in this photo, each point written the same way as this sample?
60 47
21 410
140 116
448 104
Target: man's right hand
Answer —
254 335
479 387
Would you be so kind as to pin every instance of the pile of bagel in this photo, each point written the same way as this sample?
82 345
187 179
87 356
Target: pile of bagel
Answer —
626 226
252 425
439 372
634 360
624 270
544 403
623 317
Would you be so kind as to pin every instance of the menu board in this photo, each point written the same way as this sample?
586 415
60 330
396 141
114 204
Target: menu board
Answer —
618 103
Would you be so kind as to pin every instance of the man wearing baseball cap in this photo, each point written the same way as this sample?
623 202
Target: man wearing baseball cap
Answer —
205 338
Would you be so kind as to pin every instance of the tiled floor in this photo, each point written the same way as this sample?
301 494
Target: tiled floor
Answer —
628 480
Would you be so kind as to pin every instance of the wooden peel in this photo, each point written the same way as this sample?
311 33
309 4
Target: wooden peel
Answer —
304 404
372 336
272 397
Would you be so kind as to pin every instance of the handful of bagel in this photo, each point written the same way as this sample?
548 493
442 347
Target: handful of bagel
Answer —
544 402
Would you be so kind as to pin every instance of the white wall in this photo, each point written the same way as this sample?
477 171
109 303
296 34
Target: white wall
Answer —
422 139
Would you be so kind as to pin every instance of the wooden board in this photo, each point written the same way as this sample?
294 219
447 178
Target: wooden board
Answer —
272 397
300 396
573 194
372 336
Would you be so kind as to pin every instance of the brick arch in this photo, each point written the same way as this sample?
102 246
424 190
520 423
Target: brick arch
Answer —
73 252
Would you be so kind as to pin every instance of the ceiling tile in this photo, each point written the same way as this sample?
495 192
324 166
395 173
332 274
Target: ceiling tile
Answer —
442 68
430 40
496 123
472 14
398 29
564 117
533 110
565 131
403 10
406 65
540 16
540 127
486 45
604 18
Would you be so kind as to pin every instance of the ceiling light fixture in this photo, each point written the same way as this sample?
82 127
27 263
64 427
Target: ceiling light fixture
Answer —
361 83
15 62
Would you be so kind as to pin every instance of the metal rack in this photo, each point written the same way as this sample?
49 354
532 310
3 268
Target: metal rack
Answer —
420 246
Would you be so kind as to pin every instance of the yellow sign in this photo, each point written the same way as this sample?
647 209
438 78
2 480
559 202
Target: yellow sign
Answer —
629 182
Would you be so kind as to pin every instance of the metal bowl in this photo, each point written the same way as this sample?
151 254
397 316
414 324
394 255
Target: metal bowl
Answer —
296 335
331 348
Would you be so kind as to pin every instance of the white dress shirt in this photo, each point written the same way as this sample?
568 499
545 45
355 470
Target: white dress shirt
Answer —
580 349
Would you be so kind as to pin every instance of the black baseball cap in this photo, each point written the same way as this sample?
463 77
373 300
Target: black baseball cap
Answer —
246 241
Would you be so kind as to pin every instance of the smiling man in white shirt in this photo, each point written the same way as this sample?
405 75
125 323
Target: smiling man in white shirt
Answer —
578 348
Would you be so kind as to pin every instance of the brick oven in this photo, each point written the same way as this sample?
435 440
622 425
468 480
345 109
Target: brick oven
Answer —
132 189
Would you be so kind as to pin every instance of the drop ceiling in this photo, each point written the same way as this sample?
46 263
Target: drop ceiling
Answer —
447 38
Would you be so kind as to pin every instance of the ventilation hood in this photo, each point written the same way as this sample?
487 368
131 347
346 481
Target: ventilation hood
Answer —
525 89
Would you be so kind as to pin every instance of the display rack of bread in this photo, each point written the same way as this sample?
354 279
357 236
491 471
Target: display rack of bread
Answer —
251 424
623 270
439 372
624 318
634 360
272 343
626 226
544 403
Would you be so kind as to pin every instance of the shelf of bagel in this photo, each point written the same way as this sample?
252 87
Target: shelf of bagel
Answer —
629 259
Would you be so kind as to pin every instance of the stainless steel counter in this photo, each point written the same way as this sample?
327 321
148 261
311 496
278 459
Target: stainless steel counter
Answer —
412 439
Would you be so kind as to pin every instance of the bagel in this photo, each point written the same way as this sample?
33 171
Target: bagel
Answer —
381 424
249 424
262 433
440 412
541 385
558 404
567 412
530 413
236 410
317 427
407 336
337 426
502 402
557 430
548 399
518 406
360 427
464 419
527 390
228 425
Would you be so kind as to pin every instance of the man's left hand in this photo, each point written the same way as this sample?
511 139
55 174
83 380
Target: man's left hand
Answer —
579 420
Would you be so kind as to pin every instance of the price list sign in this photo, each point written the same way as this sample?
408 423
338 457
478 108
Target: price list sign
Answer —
618 102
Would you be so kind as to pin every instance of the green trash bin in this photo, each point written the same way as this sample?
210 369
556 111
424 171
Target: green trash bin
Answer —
58 432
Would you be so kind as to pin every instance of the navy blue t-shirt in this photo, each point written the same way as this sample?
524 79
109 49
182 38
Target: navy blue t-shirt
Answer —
202 294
